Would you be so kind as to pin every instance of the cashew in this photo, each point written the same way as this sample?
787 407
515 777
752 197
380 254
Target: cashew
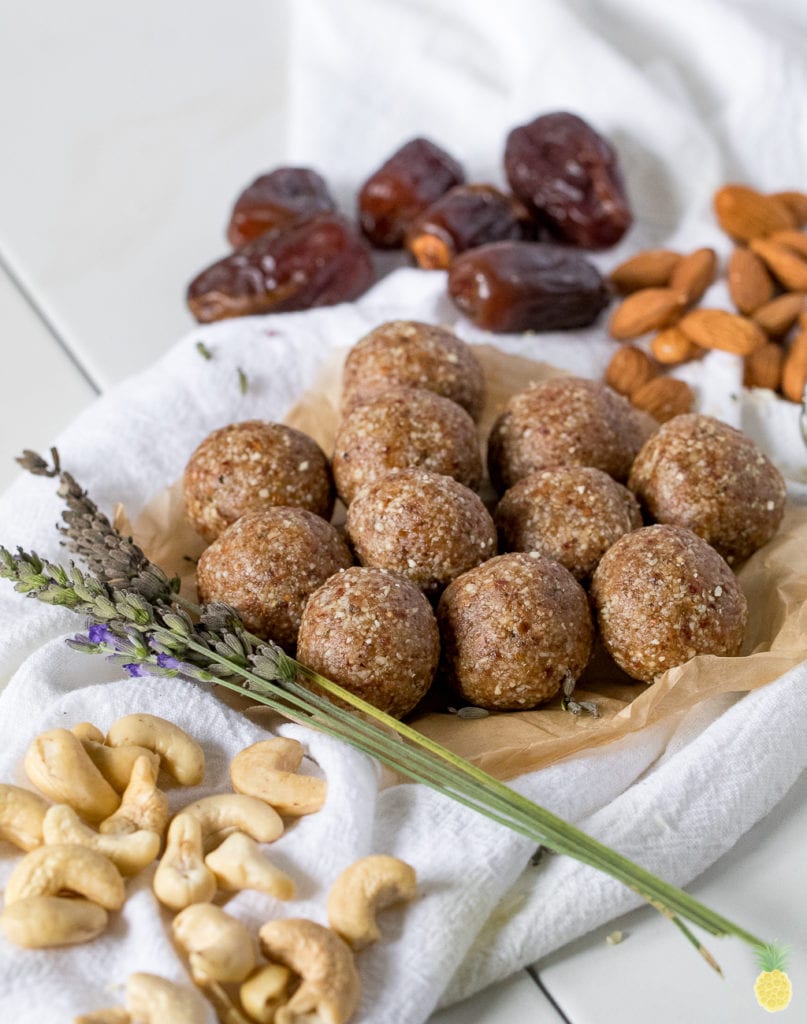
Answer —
239 864
217 945
116 763
143 806
61 768
87 731
264 991
267 770
129 852
21 816
330 984
181 756
40 921
154 1000
229 812
368 885
50 870
181 877
109 1015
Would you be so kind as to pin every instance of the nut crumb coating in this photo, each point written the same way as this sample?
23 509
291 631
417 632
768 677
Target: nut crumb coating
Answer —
662 596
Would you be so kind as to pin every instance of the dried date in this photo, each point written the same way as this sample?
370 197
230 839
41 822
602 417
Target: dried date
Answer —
317 263
568 176
523 286
279 199
410 181
465 217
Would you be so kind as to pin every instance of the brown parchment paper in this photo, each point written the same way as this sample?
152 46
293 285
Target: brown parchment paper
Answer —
509 744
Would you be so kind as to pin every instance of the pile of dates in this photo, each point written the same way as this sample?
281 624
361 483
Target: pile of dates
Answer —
512 258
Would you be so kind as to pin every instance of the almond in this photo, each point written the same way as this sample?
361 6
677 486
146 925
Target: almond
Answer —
795 240
629 369
796 202
787 266
663 398
673 346
778 316
649 269
694 274
763 368
715 328
794 370
750 284
647 310
745 213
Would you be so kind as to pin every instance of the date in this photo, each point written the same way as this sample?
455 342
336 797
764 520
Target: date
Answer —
317 263
526 286
279 199
410 181
465 217
568 177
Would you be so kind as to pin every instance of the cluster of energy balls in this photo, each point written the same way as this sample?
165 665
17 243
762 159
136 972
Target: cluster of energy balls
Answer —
423 581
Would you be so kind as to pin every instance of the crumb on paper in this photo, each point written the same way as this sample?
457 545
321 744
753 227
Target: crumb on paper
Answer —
614 938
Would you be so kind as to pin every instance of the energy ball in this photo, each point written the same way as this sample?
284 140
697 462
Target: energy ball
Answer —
405 428
266 566
250 466
411 354
427 527
702 474
374 633
566 421
513 631
662 595
570 513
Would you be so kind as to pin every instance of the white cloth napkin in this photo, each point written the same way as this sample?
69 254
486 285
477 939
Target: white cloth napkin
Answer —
685 117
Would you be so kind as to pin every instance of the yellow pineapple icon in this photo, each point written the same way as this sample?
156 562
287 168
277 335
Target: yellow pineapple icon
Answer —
772 987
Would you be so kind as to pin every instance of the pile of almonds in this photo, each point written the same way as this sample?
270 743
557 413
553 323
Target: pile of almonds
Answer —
767 281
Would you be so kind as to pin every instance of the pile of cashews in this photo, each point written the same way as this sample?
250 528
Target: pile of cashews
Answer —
108 821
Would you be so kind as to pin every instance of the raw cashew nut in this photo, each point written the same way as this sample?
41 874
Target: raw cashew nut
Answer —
129 852
87 731
116 763
21 815
239 864
50 870
155 1000
218 946
265 991
181 877
61 768
368 885
142 806
229 812
330 985
37 922
181 756
109 1015
268 769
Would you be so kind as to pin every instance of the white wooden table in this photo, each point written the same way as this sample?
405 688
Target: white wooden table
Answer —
127 137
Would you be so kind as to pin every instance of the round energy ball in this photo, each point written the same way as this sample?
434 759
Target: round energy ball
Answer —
425 526
246 467
513 631
266 566
565 421
570 513
662 595
703 474
405 428
411 354
374 633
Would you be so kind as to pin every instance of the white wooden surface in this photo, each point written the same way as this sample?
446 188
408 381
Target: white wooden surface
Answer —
134 131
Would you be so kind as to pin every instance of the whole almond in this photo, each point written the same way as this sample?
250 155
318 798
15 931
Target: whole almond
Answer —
647 310
796 202
673 346
649 269
629 369
795 240
694 274
663 398
763 368
778 316
744 213
794 370
788 267
750 284
715 328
